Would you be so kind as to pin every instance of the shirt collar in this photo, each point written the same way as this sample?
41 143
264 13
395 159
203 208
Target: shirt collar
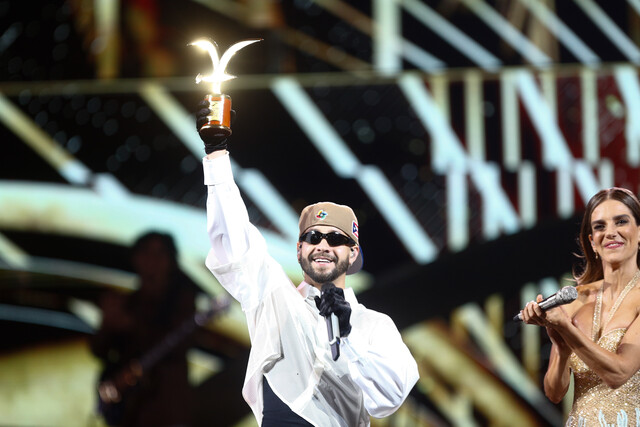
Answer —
307 290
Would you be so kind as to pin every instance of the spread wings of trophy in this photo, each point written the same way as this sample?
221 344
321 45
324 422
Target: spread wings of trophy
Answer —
219 120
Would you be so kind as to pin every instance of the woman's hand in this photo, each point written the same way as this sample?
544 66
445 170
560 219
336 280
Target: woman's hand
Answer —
557 377
532 314
551 318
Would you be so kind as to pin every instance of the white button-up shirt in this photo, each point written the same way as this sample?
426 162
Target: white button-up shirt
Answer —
289 343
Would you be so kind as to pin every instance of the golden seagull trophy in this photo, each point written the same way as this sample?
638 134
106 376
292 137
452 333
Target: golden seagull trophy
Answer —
219 120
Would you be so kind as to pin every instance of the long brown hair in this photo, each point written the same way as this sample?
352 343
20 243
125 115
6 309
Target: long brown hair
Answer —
590 269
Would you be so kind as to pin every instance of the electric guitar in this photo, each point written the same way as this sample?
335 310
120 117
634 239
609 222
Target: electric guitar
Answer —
114 389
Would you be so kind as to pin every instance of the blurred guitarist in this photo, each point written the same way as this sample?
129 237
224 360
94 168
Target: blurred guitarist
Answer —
133 325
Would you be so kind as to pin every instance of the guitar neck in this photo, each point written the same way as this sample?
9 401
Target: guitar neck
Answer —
158 352
150 358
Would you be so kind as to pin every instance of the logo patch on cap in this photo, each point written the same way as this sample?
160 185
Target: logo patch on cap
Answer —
354 228
321 214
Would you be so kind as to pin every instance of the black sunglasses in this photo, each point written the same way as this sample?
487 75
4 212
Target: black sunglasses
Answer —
333 239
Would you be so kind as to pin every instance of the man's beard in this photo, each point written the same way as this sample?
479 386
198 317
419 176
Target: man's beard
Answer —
341 267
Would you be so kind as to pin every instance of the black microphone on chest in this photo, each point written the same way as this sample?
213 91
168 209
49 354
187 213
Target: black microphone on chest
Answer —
333 327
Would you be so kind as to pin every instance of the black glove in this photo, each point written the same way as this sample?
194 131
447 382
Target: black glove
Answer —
211 143
332 301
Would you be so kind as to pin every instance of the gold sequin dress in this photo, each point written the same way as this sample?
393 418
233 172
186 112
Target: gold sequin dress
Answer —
595 403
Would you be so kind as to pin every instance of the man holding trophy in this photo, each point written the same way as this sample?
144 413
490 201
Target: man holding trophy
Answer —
318 357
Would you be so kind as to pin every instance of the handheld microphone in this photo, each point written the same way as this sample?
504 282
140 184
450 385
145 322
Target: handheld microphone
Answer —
333 328
563 296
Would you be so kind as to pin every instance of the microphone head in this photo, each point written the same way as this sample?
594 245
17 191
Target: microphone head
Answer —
567 294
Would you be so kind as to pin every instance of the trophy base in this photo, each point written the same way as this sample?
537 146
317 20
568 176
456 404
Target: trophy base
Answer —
210 130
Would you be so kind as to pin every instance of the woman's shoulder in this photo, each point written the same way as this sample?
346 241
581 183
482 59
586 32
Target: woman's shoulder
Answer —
588 289
586 294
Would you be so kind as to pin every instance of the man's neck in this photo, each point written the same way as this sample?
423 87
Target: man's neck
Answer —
339 282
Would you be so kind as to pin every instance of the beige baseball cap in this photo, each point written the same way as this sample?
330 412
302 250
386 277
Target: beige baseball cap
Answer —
332 214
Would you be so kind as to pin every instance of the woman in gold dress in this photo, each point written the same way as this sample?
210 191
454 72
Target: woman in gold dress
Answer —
597 336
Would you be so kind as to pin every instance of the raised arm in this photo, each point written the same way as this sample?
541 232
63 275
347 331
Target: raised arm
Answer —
238 255
227 219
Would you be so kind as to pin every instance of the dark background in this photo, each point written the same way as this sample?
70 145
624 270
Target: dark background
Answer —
52 71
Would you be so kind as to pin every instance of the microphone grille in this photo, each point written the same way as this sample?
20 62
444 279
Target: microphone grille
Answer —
568 294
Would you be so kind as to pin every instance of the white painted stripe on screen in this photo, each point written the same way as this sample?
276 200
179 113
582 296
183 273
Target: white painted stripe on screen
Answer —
627 80
387 30
457 210
474 115
40 316
252 182
346 165
564 34
505 362
395 212
589 107
635 4
610 29
511 151
555 153
585 179
109 187
548 286
555 150
606 173
498 213
75 172
12 254
448 152
456 38
26 129
565 202
420 58
509 34
439 85
548 83
527 196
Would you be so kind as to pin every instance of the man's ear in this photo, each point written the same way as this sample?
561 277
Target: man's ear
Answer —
353 253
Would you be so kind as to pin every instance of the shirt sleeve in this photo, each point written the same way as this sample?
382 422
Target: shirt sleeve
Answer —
238 256
380 363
